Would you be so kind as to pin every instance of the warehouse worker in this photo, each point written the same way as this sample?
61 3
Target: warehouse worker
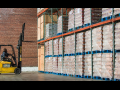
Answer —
5 55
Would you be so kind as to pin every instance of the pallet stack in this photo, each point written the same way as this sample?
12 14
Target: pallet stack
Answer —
71 19
87 65
67 44
88 41
50 47
60 70
116 11
46 64
46 48
79 20
44 20
49 64
80 42
117 36
107 37
55 42
55 64
106 12
66 65
97 64
87 57
49 30
69 65
79 65
96 15
117 66
65 24
117 47
72 65
97 39
40 9
106 71
107 57
60 46
70 44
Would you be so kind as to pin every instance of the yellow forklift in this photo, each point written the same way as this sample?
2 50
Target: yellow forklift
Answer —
7 65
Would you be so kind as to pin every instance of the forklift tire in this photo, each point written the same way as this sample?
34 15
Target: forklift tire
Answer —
17 71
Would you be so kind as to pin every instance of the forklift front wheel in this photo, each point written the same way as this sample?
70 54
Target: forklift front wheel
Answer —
17 71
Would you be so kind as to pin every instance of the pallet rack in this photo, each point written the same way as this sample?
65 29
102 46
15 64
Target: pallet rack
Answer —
51 11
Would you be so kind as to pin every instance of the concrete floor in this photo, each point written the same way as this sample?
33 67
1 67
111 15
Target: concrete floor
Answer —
36 76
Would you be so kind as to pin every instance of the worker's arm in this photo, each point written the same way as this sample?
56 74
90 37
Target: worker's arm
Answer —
3 54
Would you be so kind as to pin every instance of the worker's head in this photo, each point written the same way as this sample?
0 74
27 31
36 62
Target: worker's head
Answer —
5 50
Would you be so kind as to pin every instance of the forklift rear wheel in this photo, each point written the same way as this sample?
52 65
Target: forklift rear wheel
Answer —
17 71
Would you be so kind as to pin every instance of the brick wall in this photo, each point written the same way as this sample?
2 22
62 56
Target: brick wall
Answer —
11 21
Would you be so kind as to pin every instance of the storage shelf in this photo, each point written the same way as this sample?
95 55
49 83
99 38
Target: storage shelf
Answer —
82 29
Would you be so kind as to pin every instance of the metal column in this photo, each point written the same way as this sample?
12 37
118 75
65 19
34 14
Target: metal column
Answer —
44 42
52 31
62 42
113 27
91 43
75 41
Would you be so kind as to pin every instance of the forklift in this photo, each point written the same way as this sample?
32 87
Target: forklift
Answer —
7 66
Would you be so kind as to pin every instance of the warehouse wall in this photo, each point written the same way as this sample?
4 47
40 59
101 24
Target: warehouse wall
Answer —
11 21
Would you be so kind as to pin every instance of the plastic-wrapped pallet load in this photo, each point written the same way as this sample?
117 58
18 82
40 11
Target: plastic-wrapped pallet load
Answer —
65 24
96 15
78 17
79 65
116 11
106 71
60 65
56 46
55 64
66 65
72 65
46 64
67 44
46 48
71 19
69 65
49 64
60 46
50 47
106 12
49 30
80 42
117 66
97 64
40 9
87 65
107 37
88 41
117 47
97 39
70 44
117 36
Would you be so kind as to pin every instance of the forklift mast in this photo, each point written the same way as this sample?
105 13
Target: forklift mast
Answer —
19 47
